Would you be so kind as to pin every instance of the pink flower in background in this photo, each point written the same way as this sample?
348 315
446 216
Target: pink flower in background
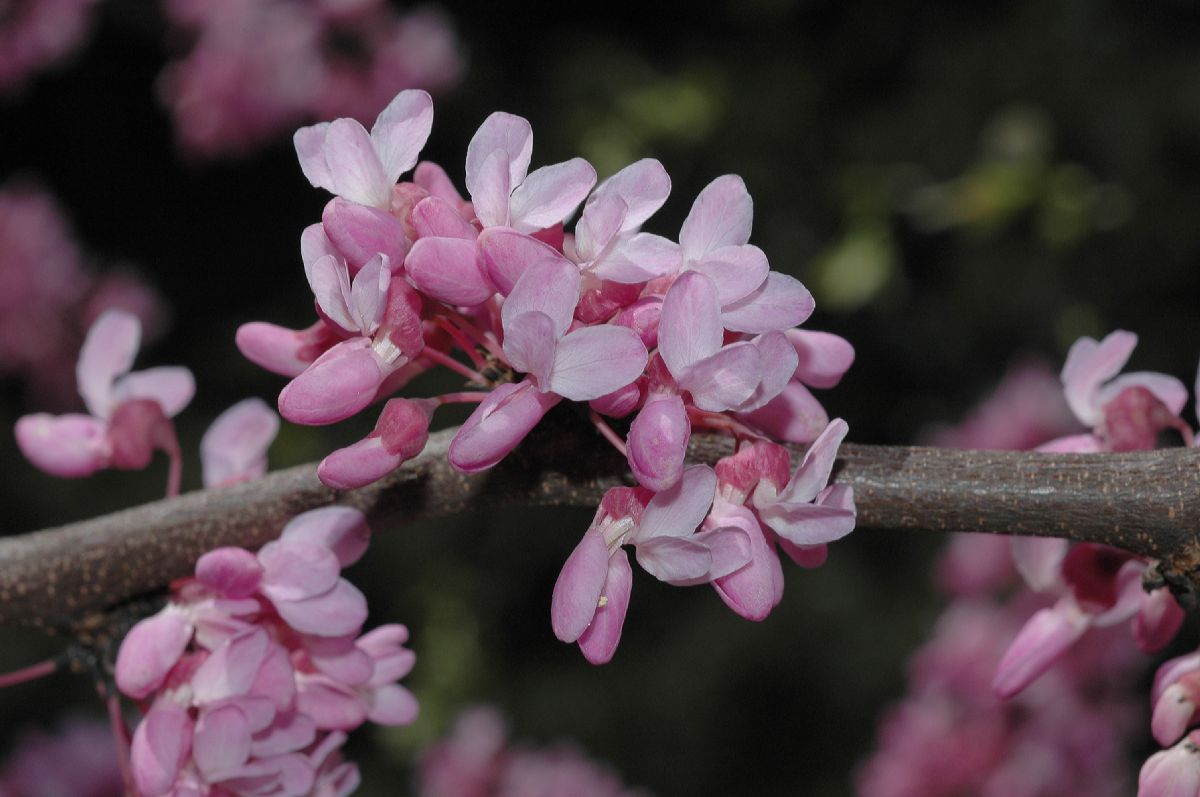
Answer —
130 411
234 449
77 759
36 34
259 67
50 294
476 759
256 669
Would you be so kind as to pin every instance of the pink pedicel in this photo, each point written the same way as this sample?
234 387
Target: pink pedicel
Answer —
256 669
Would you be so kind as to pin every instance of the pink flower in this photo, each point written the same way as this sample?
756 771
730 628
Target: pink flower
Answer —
234 449
130 412
256 667
35 34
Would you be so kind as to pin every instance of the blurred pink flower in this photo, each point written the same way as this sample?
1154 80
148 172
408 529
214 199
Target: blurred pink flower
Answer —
36 34
36 766
477 760
259 67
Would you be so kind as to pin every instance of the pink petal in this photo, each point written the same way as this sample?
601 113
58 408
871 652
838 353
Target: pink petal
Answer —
729 547
508 253
338 612
433 178
1039 561
448 270
779 360
289 733
1089 364
794 416
721 216
358 464
599 642
231 669
1173 713
149 651
813 474
737 271
1171 773
550 194
161 744
578 588
638 258
330 705
234 448
401 130
392 705
360 232
1167 389
341 529
1073 444
598 225
690 327
1158 619
357 172
69 446
619 402
529 343
550 287
329 280
340 383
310 150
754 590
509 134
315 244
824 357
274 687
809 525
677 511
780 303
643 186
221 740
434 217
340 658
643 317
594 361
726 379
283 351
498 425
231 572
294 569
1045 637
675 560
657 442
492 191
108 351
171 387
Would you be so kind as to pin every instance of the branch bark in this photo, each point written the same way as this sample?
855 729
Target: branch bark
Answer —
1148 502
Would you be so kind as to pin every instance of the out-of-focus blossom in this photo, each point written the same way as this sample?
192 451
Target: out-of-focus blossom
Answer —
36 34
476 759
259 67
50 295
234 448
77 759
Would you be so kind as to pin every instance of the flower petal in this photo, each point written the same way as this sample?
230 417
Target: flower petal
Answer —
599 642
108 351
594 361
721 216
354 164
780 303
401 130
551 194
500 131
690 326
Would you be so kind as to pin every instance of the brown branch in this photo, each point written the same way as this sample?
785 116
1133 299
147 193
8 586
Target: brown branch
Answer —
1147 502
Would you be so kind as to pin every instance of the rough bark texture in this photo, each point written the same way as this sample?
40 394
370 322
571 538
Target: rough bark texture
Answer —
65 579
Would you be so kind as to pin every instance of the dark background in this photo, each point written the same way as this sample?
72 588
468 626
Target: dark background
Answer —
958 184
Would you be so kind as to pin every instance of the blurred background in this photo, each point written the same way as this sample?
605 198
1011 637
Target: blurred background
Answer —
961 186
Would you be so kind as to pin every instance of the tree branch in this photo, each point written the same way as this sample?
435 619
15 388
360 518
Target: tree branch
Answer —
1147 502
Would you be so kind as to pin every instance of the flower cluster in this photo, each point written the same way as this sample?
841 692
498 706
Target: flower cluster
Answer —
477 760
36 34
257 68
694 334
255 670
